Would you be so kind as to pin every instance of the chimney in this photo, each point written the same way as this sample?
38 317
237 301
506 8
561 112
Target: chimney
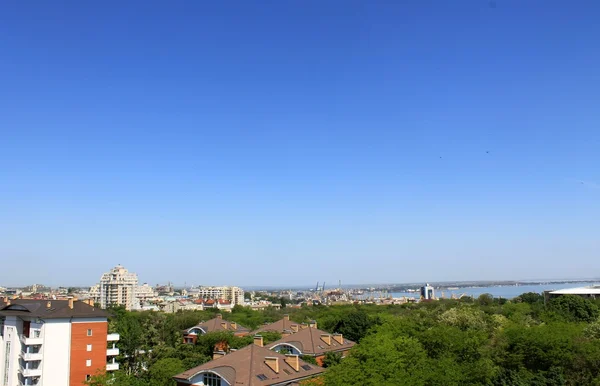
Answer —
233 325
218 354
294 327
286 333
313 324
338 338
292 360
326 338
286 317
258 340
70 302
224 325
48 304
273 363
219 316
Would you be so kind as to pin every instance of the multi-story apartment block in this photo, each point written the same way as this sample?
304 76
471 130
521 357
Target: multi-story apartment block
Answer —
53 342
116 287
144 293
233 294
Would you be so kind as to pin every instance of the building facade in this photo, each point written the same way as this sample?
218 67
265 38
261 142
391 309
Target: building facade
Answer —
116 287
53 342
235 295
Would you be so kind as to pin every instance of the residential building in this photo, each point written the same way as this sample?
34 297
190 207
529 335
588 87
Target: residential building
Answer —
117 287
53 342
313 342
143 293
427 292
590 292
216 324
262 305
283 326
252 365
233 294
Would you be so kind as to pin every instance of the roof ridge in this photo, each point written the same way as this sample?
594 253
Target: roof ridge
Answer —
312 342
250 380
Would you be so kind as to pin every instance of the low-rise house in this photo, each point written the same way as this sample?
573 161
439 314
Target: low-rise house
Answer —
252 365
190 335
262 305
283 326
313 342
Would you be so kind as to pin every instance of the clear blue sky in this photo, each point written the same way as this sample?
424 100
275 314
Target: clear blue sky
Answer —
285 142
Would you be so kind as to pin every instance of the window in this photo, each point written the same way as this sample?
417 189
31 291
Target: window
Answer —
262 377
88 377
89 347
88 362
89 332
36 333
306 367
211 379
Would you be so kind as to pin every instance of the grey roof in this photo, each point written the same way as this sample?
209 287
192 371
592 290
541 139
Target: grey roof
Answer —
57 309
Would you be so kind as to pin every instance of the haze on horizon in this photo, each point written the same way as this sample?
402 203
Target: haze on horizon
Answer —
283 143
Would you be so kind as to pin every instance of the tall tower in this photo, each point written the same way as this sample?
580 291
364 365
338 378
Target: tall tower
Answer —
117 287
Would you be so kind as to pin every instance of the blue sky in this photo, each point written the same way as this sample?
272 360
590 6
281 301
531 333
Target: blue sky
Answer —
280 143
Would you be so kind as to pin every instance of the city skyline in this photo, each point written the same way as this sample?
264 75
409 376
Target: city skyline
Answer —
243 144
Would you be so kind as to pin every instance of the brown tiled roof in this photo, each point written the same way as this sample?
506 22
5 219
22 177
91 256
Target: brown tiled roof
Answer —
310 342
58 309
215 325
247 367
279 326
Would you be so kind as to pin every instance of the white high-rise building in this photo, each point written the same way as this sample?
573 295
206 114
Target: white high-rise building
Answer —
117 287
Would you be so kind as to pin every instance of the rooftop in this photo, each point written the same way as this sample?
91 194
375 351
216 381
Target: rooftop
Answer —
47 309
219 324
254 365
284 324
312 341
590 290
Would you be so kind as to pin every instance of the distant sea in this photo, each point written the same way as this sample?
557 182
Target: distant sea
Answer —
507 292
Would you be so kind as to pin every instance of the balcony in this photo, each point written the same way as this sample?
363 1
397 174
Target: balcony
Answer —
31 341
112 366
31 356
30 382
112 337
32 372
111 352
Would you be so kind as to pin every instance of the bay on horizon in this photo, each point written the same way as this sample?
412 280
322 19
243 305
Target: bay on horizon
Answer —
507 292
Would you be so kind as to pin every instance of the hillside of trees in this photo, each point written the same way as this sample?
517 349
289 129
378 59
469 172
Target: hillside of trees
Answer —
485 341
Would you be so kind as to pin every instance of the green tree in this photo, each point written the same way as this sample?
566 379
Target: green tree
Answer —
309 359
162 372
530 298
574 308
485 300
354 325
332 359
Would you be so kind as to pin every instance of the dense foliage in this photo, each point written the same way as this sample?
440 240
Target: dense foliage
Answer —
485 341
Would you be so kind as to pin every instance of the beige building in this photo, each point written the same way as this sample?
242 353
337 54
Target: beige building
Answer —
116 287
233 294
